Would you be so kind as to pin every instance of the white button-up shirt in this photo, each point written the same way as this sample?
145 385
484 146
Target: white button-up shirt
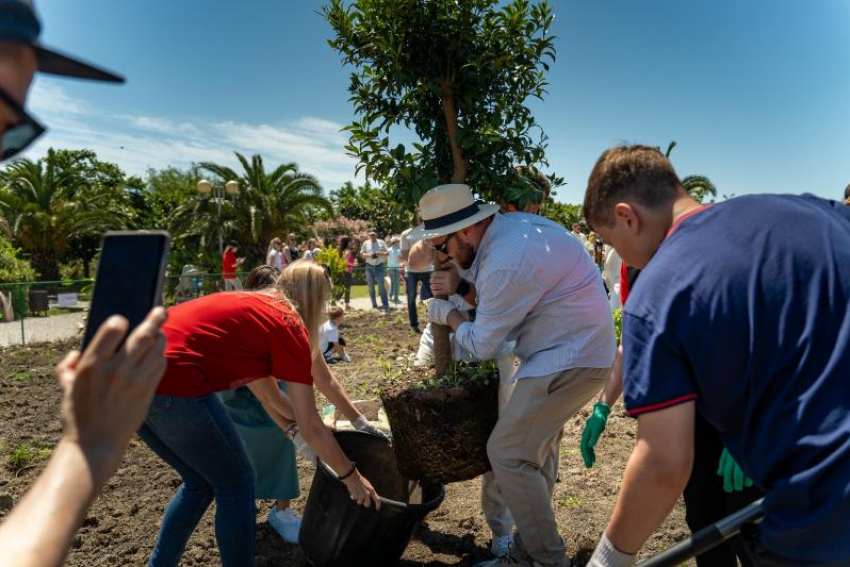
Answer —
537 285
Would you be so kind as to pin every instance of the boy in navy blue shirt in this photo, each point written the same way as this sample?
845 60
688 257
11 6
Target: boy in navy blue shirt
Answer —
738 318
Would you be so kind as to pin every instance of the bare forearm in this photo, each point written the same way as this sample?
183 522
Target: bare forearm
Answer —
314 432
275 402
455 319
614 385
40 528
649 491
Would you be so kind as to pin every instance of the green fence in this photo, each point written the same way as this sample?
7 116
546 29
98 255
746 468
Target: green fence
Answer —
47 311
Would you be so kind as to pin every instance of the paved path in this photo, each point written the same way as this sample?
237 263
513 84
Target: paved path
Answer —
41 329
365 304
60 327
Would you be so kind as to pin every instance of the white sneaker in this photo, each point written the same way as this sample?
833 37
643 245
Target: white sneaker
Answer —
287 523
501 545
346 358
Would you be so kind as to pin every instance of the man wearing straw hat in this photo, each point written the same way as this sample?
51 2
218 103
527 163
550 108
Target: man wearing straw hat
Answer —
536 285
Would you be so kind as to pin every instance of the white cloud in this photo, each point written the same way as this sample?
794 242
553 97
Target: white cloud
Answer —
139 142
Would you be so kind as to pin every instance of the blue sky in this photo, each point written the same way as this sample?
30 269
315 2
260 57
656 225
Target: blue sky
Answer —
756 93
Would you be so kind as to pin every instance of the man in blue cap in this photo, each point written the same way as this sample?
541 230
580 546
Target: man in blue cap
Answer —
108 388
21 55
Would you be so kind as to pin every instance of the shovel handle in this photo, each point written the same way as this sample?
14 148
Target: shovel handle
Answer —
708 537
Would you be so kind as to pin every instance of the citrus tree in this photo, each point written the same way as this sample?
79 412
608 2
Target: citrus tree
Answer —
456 75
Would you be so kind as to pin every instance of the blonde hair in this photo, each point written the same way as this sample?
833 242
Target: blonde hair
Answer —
307 287
274 241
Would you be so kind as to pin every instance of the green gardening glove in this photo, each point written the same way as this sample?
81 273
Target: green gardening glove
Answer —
593 428
734 479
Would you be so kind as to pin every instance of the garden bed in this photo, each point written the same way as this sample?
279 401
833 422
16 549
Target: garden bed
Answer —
122 525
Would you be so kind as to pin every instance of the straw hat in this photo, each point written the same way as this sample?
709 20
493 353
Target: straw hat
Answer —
449 208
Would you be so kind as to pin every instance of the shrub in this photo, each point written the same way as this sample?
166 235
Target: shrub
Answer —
330 257
12 267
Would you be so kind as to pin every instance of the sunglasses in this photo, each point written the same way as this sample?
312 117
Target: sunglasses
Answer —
18 137
443 248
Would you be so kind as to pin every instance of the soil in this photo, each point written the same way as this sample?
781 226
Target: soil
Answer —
121 526
440 435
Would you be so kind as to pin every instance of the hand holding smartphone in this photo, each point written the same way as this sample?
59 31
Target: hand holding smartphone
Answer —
129 278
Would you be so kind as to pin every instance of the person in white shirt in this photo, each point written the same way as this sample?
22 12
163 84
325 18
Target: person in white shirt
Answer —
274 256
611 276
537 286
394 267
374 252
331 343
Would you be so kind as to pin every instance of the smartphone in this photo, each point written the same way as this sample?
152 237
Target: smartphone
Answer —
129 277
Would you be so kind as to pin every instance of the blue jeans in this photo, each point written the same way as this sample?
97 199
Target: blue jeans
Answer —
395 284
410 281
199 440
376 274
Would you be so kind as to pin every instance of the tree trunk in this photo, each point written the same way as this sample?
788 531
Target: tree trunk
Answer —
442 345
450 114
45 264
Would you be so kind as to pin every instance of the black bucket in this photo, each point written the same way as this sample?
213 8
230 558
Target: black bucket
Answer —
337 532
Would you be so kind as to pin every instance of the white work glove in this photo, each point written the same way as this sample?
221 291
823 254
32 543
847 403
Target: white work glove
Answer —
606 555
364 425
438 310
301 445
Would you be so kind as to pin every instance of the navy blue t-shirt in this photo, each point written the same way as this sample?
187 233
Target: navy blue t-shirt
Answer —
745 308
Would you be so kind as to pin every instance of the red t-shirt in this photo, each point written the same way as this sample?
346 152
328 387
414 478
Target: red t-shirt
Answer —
228 265
224 340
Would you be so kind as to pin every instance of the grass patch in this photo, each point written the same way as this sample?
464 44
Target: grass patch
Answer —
570 502
20 376
360 291
27 454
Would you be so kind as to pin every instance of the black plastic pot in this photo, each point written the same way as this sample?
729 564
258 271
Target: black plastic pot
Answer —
336 532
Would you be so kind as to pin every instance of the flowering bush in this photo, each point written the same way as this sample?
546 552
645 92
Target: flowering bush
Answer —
329 230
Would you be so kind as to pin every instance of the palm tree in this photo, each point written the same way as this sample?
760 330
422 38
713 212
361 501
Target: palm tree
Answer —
698 186
40 206
267 205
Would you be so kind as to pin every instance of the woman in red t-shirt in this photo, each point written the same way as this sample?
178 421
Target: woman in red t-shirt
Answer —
216 343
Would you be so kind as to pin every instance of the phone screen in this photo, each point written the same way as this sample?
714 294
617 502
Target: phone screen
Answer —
129 278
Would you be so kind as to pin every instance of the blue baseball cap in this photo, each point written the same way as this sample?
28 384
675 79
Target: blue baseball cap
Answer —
18 23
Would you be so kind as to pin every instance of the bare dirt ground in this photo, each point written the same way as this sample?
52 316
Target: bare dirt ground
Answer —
121 527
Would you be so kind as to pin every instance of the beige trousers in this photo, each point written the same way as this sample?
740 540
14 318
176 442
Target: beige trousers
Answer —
523 450
493 504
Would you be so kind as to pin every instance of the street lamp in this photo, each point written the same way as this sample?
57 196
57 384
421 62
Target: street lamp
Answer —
231 188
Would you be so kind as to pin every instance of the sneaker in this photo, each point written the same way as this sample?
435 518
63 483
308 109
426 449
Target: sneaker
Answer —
501 545
346 358
415 331
287 523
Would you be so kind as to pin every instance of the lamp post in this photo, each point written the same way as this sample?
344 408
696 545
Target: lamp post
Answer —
218 192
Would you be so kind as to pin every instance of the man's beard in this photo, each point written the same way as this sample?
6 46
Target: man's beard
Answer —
465 255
